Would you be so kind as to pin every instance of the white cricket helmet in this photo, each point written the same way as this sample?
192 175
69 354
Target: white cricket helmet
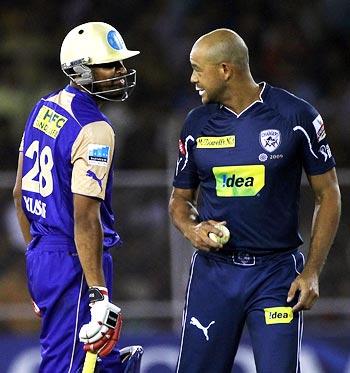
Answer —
96 43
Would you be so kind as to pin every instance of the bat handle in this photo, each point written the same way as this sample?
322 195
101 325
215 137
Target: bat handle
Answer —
90 362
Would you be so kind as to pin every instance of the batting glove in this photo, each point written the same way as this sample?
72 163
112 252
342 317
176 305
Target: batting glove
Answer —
102 333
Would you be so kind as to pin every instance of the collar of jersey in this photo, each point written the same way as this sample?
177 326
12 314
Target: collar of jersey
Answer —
262 95
79 92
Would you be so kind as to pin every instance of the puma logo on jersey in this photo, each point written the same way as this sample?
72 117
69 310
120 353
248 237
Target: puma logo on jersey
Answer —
204 329
94 177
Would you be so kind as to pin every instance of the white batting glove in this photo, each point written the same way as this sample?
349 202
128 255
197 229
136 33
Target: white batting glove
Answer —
102 332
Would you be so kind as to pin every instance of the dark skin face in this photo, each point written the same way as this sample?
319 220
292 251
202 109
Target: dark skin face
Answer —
108 71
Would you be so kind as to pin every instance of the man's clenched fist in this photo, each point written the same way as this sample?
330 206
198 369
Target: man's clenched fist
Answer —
101 334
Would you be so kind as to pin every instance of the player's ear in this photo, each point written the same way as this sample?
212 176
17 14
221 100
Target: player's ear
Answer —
226 70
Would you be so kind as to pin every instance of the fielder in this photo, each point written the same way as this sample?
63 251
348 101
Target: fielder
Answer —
63 200
241 156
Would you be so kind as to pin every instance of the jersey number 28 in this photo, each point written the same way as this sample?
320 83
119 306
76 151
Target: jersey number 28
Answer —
42 166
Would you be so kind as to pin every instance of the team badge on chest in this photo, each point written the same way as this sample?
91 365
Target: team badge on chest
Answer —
270 139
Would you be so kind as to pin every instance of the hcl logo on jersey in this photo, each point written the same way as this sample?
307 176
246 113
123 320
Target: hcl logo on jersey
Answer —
239 181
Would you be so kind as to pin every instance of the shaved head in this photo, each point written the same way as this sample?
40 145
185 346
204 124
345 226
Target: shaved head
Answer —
220 69
224 45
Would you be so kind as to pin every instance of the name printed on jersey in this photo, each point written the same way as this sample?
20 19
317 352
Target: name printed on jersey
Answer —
239 181
98 154
35 206
49 121
216 142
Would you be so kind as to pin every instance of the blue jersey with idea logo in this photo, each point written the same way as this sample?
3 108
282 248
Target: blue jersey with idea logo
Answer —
67 148
248 167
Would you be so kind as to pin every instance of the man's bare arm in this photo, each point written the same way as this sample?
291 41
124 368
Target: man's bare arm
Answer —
17 197
88 236
324 227
185 218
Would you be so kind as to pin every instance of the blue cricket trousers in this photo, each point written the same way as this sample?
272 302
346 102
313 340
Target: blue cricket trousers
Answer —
226 292
58 287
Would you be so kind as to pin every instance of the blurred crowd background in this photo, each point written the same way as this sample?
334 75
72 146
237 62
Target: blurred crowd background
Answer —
302 46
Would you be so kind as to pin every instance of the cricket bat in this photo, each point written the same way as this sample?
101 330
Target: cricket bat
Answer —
90 362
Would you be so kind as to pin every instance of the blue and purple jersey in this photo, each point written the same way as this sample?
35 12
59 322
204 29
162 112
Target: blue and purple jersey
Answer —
68 147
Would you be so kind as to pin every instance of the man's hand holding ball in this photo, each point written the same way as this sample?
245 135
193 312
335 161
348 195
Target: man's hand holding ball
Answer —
225 234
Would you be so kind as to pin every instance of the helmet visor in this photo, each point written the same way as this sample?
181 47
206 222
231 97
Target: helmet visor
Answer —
115 89
112 89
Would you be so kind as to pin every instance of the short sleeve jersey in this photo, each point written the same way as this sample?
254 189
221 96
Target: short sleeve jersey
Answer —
248 167
68 147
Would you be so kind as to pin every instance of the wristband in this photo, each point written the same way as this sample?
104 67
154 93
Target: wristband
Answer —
97 294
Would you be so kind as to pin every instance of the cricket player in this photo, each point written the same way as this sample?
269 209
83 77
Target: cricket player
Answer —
63 200
241 156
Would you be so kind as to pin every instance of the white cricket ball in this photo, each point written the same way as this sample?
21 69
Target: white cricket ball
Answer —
226 234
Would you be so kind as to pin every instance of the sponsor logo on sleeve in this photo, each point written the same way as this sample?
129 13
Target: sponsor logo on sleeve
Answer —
183 159
239 181
49 121
278 315
325 150
319 128
98 154
182 149
270 139
216 142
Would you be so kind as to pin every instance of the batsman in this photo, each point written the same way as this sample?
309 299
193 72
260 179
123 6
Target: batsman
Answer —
63 200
